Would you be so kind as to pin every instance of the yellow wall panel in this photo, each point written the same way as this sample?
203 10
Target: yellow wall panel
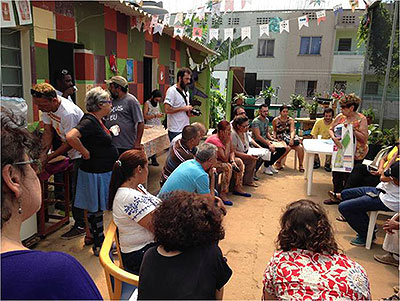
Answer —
43 24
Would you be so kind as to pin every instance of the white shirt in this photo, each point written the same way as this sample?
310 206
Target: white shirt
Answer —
63 120
176 121
391 198
130 206
175 139
59 93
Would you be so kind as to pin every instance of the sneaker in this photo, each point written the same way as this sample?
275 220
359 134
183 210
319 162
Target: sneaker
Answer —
228 203
96 251
268 171
327 168
358 241
73 232
273 169
316 165
386 258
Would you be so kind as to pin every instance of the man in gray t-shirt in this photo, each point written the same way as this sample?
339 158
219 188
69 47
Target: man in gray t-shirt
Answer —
125 121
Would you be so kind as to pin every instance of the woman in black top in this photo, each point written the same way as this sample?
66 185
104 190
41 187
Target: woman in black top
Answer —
93 140
188 264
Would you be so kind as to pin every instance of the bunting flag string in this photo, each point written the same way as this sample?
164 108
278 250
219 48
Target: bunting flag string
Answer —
189 16
167 18
197 33
147 26
154 20
246 32
178 31
303 21
337 9
284 26
213 34
354 4
321 16
244 2
158 28
216 9
264 29
178 18
228 33
228 5
200 13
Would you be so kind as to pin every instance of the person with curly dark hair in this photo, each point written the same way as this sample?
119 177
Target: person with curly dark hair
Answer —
30 274
307 263
188 229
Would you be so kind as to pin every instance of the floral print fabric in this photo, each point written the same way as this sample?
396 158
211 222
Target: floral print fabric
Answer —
302 274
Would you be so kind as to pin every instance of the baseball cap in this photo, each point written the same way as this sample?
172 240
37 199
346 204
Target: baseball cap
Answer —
119 80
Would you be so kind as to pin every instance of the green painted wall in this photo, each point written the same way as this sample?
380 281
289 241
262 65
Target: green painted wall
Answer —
184 58
342 34
42 63
136 44
165 50
203 84
90 17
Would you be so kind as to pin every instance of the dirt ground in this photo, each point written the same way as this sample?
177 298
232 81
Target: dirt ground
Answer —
252 225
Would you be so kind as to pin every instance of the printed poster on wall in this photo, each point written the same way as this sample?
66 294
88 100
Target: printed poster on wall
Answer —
343 158
7 14
129 70
24 12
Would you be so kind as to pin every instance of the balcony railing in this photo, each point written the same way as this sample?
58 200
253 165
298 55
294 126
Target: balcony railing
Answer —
357 52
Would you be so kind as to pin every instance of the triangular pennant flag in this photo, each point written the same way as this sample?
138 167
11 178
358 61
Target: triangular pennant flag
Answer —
303 21
200 13
197 32
167 18
284 26
337 9
216 9
321 16
133 22
154 20
244 2
178 31
178 18
246 32
189 16
158 28
213 34
228 5
353 4
147 26
228 33
264 28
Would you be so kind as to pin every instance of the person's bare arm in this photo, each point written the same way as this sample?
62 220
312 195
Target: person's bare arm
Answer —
332 134
274 128
73 139
47 138
219 293
361 133
139 135
257 135
171 110
146 222
267 296
146 114
59 151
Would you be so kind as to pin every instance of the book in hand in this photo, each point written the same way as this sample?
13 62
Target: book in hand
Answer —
260 152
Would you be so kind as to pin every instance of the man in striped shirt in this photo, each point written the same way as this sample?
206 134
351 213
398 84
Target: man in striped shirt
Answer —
184 149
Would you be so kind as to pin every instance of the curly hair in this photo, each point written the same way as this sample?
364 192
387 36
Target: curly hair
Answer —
305 225
186 220
350 100
16 142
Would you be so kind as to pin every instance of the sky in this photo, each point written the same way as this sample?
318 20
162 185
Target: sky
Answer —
186 5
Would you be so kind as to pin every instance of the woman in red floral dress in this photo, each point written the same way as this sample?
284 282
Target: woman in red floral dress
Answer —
307 263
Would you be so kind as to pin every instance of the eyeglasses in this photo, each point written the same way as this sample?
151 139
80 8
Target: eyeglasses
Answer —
106 101
244 126
49 94
35 164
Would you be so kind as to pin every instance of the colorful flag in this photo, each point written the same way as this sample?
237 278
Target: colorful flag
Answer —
147 26
246 32
353 4
321 16
167 18
200 13
154 20
337 9
228 33
216 9
197 32
213 34
229 5
303 21
244 2
158 28
284 26
264 28
178 18
178 31
189 16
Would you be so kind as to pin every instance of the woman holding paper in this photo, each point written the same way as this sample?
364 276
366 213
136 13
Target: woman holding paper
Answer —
348 105
241 141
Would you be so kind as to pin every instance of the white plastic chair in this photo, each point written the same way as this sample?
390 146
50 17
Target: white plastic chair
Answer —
373 215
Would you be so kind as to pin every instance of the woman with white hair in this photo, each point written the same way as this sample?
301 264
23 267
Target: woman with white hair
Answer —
93 140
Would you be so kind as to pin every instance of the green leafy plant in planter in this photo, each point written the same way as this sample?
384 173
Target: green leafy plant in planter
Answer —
379 139
267 94
239 99
369 114
217 109
312 109
297 101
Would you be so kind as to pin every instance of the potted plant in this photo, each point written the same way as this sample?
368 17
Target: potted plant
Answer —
378 139
297 101
239 99
369 114
312 109
267 94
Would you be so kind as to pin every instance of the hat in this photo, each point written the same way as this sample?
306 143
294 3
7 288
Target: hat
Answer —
119 80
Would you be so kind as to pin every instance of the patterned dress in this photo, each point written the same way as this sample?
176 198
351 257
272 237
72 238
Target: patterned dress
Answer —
302 274
282 127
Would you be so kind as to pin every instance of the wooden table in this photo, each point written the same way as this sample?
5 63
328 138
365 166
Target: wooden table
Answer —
155 140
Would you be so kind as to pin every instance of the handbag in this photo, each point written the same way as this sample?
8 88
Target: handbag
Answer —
286 138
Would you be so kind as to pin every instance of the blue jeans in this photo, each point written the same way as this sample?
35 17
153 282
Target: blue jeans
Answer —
355 205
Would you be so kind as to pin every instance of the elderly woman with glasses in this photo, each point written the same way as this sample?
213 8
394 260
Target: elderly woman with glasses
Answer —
241 141
93 140
30 274
348 105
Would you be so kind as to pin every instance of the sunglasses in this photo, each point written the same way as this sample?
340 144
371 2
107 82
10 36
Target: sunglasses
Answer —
35 164
106 101
38 94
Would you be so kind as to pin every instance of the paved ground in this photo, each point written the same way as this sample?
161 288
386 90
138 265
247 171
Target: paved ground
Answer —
251 228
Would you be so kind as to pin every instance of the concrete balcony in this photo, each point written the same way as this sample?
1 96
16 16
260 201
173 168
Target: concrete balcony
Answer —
348 62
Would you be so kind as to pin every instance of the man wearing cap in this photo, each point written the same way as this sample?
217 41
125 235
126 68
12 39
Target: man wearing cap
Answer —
64 85
61 115
125 121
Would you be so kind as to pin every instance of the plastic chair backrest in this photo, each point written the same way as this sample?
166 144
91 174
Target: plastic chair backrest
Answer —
120 283
380 155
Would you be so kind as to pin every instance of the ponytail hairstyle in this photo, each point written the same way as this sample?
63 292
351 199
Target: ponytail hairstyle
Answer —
124 168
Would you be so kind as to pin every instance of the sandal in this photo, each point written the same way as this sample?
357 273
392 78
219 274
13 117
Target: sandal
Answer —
251 184
334 195
278 166
331 202
341 218
301 168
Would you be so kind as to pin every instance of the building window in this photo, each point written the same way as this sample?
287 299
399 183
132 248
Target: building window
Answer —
371 88
216 21
263 20
310 45
306 88
11 69
348 19
171 73
344 45
233 21
262 84
340 86
266 48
